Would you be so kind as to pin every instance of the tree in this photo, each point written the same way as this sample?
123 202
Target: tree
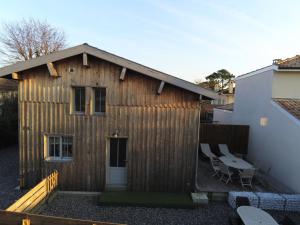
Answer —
221 78
29 38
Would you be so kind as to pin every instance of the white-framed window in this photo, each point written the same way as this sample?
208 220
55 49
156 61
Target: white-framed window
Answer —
58 147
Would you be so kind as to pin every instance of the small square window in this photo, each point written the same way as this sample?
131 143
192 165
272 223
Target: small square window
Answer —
59 147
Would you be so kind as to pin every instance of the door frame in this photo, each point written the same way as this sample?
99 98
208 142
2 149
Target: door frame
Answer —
107 163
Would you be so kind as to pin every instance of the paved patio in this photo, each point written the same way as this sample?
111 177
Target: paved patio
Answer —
208 183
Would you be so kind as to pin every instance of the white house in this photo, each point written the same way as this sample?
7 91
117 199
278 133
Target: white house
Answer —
268 100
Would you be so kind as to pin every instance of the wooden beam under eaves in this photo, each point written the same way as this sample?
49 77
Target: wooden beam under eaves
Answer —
52 70
15 76
160 88
85 60
123 72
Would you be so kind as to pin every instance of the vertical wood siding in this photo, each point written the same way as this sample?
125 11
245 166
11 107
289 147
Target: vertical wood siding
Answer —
161 129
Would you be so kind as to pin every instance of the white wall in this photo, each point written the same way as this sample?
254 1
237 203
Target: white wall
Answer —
286 85
222 116
275 148
282 142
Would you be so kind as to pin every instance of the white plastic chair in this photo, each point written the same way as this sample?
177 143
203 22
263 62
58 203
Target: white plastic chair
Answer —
206 150
246 177
215 163
226 173
225 150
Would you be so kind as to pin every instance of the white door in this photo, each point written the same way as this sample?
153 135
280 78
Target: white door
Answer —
117 163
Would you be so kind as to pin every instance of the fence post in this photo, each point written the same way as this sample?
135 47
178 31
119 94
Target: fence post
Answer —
26 222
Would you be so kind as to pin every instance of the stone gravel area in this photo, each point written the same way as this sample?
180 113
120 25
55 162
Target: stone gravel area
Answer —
9 172
83 207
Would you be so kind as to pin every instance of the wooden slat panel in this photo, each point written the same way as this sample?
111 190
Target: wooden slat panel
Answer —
235 136
35 195
152 123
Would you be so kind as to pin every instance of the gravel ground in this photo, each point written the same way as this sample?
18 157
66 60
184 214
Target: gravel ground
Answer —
9 172
86 208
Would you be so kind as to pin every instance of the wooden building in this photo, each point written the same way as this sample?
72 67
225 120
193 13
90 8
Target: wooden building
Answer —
105 122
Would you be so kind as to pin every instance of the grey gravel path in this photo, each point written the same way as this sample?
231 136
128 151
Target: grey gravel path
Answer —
9 172
86 208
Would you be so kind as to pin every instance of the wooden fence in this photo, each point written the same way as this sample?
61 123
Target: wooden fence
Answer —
36 195
235 136
17 218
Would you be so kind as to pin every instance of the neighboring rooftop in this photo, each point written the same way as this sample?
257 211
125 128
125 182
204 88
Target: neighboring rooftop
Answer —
228 107
288 63
290 105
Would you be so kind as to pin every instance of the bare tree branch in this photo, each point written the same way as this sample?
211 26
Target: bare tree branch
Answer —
29 38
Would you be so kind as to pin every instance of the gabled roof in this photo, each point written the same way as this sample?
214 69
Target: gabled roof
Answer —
85 48
290 105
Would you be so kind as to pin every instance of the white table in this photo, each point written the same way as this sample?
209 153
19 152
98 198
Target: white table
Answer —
254 216
235 162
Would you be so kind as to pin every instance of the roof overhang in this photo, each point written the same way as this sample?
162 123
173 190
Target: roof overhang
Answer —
265 69
85 48
255 72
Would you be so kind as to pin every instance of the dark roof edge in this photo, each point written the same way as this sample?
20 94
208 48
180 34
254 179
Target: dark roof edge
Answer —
85 48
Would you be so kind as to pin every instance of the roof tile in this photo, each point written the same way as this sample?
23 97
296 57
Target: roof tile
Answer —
291 105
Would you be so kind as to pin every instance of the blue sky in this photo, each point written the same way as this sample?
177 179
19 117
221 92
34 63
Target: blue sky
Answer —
188 39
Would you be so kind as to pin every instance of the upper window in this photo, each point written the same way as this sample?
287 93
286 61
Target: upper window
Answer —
79 99
100 96
60 147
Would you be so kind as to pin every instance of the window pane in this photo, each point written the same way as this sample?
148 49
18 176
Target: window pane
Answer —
51 147
54 146
102 101
79 99
57 146
113 152
97 100
100 95
122 153
67 143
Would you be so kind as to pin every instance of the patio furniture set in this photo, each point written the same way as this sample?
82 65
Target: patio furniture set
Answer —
227 165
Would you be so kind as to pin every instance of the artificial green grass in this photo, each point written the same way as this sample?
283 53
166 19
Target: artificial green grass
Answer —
146 199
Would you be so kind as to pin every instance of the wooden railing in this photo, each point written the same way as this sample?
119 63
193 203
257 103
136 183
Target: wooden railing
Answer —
17 218
36 195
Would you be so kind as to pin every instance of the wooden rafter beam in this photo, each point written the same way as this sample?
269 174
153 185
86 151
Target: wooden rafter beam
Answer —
52 70
85 60
15 76
161 87
123 73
